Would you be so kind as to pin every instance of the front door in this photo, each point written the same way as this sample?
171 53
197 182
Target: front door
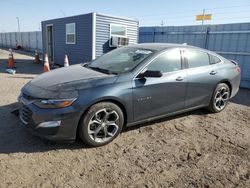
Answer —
158 96
50 43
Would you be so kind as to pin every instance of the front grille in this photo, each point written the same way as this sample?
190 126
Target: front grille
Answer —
25 114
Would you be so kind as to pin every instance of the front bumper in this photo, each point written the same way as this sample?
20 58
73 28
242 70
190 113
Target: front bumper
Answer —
52 124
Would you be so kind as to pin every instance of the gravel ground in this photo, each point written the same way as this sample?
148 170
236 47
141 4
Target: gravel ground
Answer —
196 149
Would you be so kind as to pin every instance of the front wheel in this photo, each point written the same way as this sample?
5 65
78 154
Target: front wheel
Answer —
220 98
101 124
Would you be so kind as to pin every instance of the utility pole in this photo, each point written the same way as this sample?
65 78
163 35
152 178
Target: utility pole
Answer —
203 19
5 40
162 23
63 13
2 38
19 32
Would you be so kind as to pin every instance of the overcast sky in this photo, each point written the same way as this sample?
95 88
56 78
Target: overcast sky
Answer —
148 12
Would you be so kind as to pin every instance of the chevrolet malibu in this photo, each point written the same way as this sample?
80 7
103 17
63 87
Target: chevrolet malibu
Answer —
124 87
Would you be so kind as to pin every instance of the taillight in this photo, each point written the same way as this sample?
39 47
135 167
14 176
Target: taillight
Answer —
238 70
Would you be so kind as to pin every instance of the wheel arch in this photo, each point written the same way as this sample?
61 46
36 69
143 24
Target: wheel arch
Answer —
228 83
112 100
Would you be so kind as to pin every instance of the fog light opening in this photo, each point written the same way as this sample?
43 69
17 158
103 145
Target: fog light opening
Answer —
49 124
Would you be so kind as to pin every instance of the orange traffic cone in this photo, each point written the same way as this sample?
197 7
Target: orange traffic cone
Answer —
11 60
66 61
46 63
37 59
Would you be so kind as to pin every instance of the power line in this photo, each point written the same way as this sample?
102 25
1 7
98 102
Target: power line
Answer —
213 13
194 10
236 12
235 18
227 7
192 16
195 23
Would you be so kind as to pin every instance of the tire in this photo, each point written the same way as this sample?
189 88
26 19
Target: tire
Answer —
101 124
220 98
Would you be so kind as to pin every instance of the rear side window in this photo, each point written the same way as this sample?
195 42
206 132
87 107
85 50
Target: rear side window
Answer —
196 58
214 59
167 62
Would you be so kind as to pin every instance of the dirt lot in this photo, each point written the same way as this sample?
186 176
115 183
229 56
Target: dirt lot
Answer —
196 149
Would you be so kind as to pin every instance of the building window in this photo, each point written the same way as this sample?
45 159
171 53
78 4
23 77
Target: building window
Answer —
118 30
71 33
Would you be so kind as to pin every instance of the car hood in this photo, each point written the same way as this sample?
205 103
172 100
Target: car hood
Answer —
65 82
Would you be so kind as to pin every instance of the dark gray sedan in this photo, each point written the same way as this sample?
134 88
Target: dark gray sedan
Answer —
124 87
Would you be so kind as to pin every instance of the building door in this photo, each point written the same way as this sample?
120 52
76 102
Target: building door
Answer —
50 43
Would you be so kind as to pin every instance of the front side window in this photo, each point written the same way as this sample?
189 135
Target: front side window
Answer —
120 60
169 61
196 58
118 30
71 33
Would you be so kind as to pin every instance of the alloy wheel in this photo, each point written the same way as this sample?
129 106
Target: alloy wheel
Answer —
221 98
103 125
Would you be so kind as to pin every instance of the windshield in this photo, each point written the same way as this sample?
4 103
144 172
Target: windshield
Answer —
120 60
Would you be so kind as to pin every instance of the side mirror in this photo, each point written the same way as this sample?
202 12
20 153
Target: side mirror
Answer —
150 74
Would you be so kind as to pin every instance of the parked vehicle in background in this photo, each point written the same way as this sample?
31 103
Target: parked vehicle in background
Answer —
124 87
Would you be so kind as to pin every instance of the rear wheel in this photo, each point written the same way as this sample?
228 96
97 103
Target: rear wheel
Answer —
101 124
220 98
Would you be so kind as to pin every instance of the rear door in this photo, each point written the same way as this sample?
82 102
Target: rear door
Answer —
202 77
157 96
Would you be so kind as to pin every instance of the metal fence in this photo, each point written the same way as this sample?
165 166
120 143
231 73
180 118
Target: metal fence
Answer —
230 40
29 41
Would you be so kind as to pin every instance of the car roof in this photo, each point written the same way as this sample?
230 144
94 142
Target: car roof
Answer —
164 46
160 46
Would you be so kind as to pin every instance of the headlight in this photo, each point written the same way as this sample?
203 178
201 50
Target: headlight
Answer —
61 103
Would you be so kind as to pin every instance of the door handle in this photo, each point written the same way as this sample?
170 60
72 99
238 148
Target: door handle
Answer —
213 72
179 78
